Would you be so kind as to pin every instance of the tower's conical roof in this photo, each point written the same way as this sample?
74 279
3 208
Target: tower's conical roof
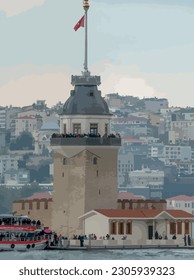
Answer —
85 99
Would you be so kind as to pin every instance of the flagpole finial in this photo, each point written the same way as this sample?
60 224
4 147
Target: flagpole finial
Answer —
86 4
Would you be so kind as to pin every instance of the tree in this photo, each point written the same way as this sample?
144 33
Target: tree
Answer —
24 141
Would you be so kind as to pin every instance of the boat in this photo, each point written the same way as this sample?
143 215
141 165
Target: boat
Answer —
18 233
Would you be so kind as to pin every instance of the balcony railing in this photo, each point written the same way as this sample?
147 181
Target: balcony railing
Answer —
85 141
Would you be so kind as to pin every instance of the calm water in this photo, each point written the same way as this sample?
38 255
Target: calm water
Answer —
132 254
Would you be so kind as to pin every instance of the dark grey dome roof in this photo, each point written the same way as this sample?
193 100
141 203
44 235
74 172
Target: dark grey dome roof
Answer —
85 100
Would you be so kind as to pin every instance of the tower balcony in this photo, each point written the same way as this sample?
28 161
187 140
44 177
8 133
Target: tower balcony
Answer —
62 140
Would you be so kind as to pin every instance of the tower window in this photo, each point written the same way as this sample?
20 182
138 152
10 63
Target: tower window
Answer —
64 129
94 128
64 161
77 128
95 160
106 128
91 93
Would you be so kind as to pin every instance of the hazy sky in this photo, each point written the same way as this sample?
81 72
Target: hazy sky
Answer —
139 47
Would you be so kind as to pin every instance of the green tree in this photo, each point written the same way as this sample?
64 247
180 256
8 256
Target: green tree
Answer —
24 141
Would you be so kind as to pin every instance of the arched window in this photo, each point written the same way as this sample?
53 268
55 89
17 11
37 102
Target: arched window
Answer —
172 227
121 228
113 228
186 227
129 228
95 160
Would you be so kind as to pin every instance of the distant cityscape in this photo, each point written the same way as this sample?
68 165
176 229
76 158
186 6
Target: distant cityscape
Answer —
155 161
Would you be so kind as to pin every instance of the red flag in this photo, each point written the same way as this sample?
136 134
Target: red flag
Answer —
79 24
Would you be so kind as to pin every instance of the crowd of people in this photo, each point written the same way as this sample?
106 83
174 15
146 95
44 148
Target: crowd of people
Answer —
19 221
186 238
88 135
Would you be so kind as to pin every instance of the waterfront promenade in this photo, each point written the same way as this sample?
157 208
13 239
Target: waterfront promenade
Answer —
119 244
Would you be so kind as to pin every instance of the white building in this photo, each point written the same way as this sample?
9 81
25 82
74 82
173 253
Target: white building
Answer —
8 162
155 104
146 177
173 153
184 129
2 118
125 165
138 226
181 202
43 136
27 124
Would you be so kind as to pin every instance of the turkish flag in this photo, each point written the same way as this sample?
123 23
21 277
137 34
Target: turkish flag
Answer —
79 24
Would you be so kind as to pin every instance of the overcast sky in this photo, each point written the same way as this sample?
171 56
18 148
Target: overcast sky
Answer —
143 48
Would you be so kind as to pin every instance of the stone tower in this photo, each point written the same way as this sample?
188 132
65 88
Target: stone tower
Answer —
85 155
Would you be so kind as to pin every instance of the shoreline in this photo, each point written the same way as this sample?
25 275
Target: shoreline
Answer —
130 247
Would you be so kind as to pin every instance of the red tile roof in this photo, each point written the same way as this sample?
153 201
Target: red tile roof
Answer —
26 118
39 195
129 195
181 197
142 213
132 140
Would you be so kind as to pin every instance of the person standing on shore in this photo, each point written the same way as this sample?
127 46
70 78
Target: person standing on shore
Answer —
185 239
189 240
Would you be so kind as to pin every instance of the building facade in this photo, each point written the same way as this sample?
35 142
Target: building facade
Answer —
138 227
36 207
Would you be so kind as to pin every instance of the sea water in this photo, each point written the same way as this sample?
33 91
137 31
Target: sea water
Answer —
126 254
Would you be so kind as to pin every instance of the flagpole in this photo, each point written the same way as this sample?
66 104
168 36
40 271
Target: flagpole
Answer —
86 8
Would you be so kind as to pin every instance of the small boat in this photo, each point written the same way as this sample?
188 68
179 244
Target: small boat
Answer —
21 234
